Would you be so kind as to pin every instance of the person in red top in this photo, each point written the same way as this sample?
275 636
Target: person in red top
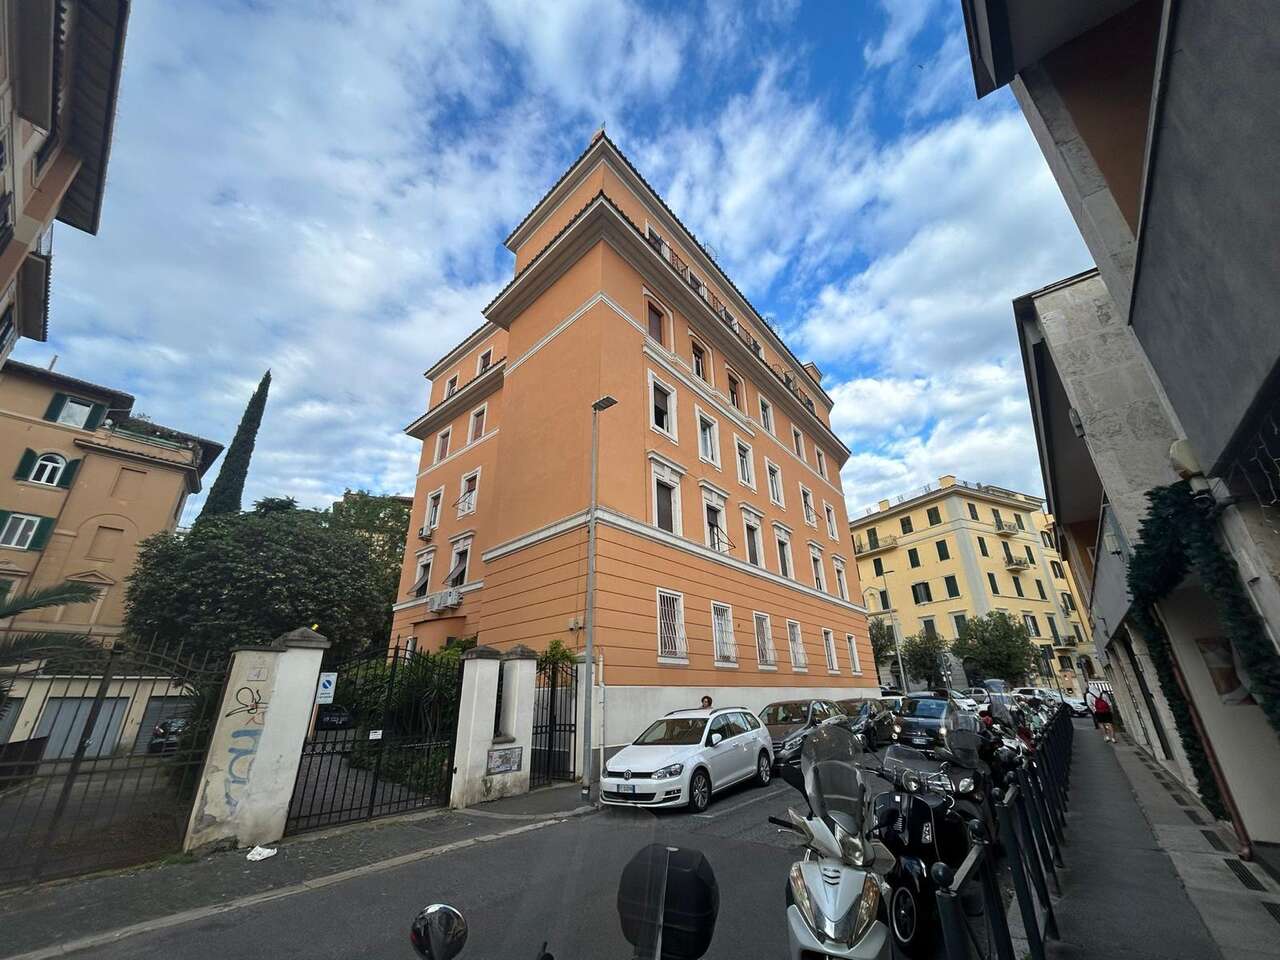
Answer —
1102 718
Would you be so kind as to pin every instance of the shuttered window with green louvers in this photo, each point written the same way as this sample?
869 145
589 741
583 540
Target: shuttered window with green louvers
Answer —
75 412
51 469
24 531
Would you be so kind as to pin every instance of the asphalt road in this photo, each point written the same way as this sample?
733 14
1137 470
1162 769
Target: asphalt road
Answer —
557 884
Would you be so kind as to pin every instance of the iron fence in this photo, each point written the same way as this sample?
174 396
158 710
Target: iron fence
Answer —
555 724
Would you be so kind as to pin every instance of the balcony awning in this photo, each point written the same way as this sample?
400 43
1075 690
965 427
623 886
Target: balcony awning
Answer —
33 295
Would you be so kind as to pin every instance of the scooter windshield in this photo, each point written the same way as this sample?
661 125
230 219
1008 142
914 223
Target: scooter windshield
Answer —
961 737
832 779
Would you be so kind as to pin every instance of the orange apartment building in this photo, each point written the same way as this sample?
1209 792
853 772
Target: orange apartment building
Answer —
724 563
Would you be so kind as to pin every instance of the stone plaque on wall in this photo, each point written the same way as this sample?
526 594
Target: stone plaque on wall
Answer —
504 760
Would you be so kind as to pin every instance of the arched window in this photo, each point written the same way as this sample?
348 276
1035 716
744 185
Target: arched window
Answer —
48 469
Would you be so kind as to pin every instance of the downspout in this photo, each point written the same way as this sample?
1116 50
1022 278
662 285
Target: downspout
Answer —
603 702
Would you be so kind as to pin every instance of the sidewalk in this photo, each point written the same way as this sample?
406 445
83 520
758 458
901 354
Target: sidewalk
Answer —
55 917
1149 874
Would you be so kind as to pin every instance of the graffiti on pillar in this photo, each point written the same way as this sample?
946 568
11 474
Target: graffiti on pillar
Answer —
244 744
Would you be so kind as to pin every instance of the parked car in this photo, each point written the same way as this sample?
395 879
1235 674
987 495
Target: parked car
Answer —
919 722
1039 693
1077 706
164 736
962 699
893 703
869 717
979 695
686 757
789 722
333 716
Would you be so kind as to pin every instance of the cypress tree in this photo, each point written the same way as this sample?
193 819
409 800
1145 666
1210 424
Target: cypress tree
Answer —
227 490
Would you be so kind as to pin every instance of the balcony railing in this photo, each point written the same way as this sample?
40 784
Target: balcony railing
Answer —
1017 563
1007 529
883 543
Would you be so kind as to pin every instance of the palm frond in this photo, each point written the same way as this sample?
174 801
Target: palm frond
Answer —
56 596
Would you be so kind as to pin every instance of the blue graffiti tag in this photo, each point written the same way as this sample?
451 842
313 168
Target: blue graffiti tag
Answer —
240 762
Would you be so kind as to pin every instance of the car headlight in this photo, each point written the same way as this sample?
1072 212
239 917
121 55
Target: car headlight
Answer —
897 728
868 907
792 744
800 894
965 785
674 770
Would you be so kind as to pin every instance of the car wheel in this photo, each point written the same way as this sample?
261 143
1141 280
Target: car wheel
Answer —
699 791
764 769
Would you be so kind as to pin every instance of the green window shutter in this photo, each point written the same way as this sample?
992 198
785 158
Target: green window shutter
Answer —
43 529
95 416
25 465
4 518
68 474
55 407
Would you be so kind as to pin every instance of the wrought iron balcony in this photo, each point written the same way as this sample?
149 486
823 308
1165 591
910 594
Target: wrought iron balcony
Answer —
886 542
1006 529
1017 563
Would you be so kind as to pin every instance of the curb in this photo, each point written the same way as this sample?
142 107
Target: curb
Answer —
583 811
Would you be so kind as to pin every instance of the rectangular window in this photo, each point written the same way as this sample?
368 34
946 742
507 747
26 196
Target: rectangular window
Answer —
884 599
1075 628
753 544
766 415
953 587
934 515
973 511
1031 555
1033 627
944 553
422 580
991 579
477 425
764 641
855 661
485 362
982 547
19 531
664 512
1046 539
927 628
818 579
671 636
822 462
829 645
1056 567
913 557
1040 590
806 500
873 539
708 440
1008 554
735 391
1053 626
842 586
467 498
722 633
1017 586
746 465
921 593
784 556
775 482
664 408
1017 518
995 515
701 366
1064 661
906 524
799 659
442 445
451 386
1067 602
877 566
656 324
831 521
457 575
716 538
797 441
960 621
433 509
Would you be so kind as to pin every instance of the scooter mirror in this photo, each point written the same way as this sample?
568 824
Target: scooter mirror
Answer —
439 932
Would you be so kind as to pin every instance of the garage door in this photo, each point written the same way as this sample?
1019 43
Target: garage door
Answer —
63 723
159 708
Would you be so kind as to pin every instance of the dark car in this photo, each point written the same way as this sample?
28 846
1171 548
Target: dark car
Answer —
789 722
332 716
869 717
920 719
164 736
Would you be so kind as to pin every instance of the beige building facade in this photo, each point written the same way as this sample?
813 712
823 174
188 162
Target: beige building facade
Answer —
724 567
84 482
60 66
931 560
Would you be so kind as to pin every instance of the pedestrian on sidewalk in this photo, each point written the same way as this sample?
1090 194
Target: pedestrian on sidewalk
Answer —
1102 718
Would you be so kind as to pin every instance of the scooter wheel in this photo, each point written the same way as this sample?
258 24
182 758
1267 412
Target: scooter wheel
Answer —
912 923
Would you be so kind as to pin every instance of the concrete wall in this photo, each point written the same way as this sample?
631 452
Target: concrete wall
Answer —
472 780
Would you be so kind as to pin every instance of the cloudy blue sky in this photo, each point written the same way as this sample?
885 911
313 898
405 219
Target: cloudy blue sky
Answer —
323 189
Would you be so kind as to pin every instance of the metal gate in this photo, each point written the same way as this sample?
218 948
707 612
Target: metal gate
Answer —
555 724
385 744
100 754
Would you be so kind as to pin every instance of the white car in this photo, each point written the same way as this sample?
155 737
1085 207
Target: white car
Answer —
686 757
964 701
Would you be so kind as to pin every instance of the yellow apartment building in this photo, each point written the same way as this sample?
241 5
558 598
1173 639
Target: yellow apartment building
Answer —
723 564
84 481
931 560
59 73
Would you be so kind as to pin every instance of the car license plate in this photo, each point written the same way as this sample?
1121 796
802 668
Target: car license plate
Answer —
626 788
920 741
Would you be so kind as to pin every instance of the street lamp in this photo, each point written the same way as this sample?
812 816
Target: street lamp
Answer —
604 403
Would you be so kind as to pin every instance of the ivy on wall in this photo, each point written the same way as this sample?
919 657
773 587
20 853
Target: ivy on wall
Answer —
1177 537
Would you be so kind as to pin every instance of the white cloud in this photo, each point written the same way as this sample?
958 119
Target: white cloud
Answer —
906 19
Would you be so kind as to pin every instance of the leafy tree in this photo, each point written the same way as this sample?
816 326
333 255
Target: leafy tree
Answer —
246 578
999 646
224 496
881 639
383 521
15 647
922 655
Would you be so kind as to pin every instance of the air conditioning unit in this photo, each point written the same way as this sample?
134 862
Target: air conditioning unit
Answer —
444 600
452 598
424 534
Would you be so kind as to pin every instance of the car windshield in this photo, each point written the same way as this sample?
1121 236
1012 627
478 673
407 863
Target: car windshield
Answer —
674 731
779 713
931 709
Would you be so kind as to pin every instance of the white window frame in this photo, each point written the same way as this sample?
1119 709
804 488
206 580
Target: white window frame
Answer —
749 479
425 559
458 547
782 535
712 499
842 583
480 366
829 646
808 507
766 416
79 404
21 534
681 653
822 461
54 472
483 411
795 645
465 507
730 646
451 386
833 523
732 376
665 473
667 324
699 415
674 433
439 508
447 433
708 360
855 661
756 618
781 499
751 521
797 442
1029 621
819 571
